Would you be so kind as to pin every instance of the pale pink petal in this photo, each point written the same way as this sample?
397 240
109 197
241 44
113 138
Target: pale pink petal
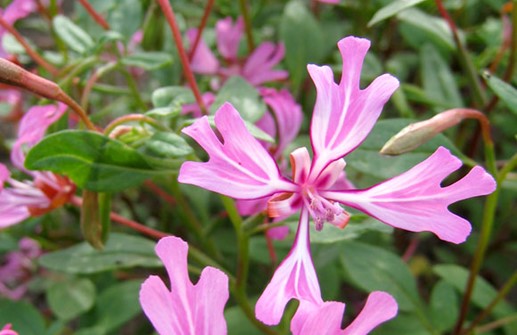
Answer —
185 309
380 307
332 2
344 114
32 128
251 206
7 330
258 68
204 61
324 319
228 37
239 166
415 201
295 278
211 296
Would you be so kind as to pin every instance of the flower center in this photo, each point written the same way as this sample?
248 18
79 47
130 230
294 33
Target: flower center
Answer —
323 210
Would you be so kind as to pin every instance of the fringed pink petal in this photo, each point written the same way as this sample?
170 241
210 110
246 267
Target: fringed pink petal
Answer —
239 166
184 309
295 278
323 319
33 127
415 201
380 307
344 114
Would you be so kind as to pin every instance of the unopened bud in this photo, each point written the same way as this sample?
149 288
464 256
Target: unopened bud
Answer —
419 133
12 74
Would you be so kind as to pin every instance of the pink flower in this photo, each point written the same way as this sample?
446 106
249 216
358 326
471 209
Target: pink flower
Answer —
257 68
343 116
7 330
326 318
17 269
13 98
332 2
186 308
46 191
18 9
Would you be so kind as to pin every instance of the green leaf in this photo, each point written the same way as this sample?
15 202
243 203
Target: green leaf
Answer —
482 294
168 145
443 309
244 97
93 161
148 61
391 9
506 92
71 298
121 251
238 323
438 81
303 39
74 36
424 28
172 96
117 305
24 317
367 158
371 268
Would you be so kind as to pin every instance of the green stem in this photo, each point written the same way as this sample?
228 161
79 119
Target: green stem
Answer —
247 25
192 222
465 60
507 168
500 296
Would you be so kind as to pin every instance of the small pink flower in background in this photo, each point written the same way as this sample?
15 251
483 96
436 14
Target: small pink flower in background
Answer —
185 309
17 268
7 330
46 191
343 116
332 2
326 318
13 98
18 9
257 68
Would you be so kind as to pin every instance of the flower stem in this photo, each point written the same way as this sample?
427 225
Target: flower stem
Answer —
200 29
31 52
171 19
500 296
247 25
96 16
466 62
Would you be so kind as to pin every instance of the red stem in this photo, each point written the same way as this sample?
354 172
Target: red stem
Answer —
31 52
171 19
96 16
200 29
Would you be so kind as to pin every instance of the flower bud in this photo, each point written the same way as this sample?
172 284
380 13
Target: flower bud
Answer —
419 133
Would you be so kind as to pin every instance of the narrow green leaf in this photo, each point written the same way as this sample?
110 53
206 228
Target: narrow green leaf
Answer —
438 81
391 9
303 39
244 97
70 298
148 61
93 161
73 35
121 251
425 28
506 92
